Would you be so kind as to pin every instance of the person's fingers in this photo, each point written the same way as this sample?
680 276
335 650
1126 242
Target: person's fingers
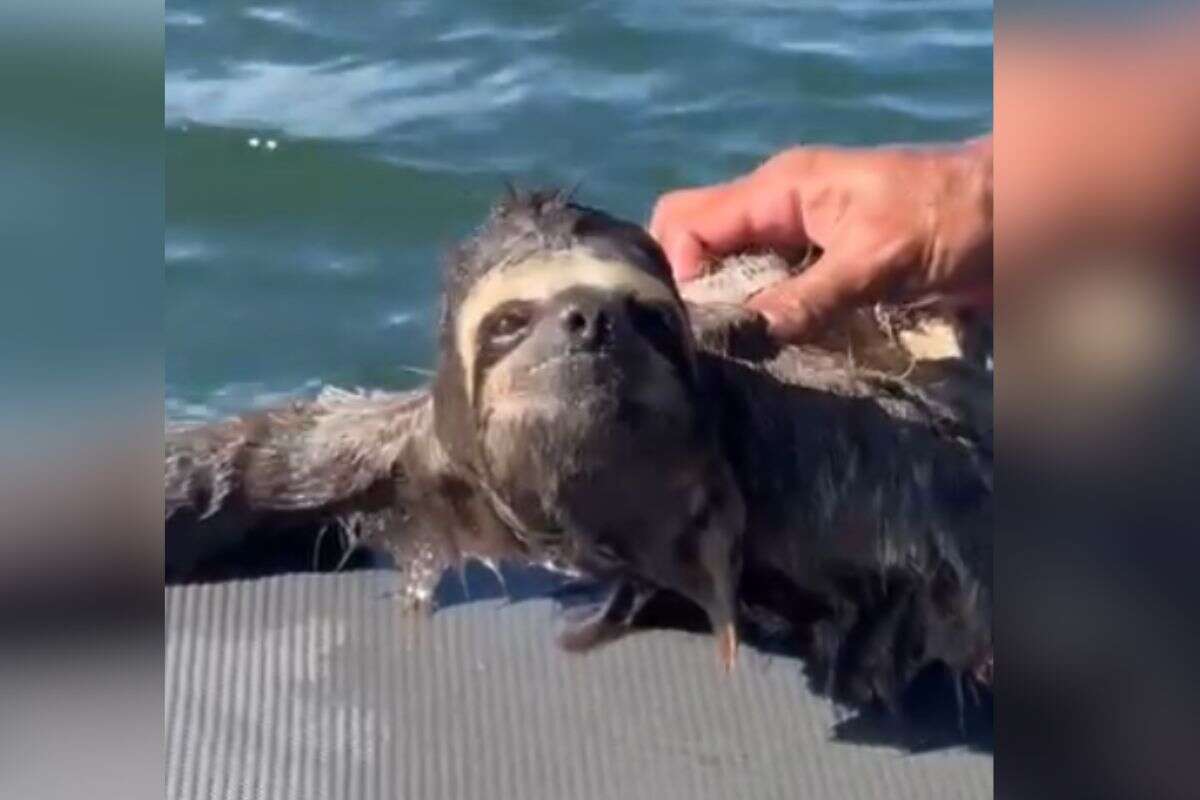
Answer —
669 210
685 253
799 307
670 226
698 225
677 209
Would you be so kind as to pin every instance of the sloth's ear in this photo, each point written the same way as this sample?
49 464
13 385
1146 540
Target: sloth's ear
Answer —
339 461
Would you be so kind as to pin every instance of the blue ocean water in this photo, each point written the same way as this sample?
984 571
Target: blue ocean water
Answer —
321 157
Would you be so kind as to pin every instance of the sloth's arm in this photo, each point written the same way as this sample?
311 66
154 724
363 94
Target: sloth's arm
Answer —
259 481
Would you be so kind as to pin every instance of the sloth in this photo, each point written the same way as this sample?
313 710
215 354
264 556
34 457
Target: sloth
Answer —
586 417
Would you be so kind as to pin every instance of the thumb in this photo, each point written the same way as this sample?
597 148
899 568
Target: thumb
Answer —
798 308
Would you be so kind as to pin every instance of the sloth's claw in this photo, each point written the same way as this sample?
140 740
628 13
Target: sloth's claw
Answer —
605 621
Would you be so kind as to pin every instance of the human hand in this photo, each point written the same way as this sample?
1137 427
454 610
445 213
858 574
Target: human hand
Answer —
891 223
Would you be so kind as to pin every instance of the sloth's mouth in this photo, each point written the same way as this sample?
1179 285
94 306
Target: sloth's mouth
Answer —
572 358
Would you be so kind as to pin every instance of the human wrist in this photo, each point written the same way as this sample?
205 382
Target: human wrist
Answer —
960 255
978 155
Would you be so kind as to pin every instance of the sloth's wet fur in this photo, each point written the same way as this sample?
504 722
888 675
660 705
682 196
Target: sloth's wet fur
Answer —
832 500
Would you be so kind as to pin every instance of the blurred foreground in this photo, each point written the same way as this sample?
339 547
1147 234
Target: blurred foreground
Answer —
1097 227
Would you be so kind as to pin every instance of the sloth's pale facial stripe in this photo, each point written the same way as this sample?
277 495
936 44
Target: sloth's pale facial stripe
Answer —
540 278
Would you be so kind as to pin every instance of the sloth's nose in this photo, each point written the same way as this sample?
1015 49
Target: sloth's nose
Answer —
588 325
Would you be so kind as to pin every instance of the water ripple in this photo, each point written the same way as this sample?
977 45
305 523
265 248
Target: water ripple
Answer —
329 99
177 250
278 15
183 19
499 33
396 122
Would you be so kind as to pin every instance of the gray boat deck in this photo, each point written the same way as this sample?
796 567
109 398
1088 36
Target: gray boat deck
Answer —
320 686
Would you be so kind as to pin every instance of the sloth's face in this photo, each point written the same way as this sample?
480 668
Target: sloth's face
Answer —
580 380
584 348
581 377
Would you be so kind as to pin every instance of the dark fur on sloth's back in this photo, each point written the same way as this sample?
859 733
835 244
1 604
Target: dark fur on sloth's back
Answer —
893 489
869 533
826 453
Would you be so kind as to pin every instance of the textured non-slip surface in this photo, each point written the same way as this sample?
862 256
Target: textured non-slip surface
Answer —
319 686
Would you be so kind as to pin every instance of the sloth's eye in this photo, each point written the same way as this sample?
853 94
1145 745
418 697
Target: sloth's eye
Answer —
509 323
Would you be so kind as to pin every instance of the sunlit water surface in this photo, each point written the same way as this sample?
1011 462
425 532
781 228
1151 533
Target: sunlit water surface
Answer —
321 158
